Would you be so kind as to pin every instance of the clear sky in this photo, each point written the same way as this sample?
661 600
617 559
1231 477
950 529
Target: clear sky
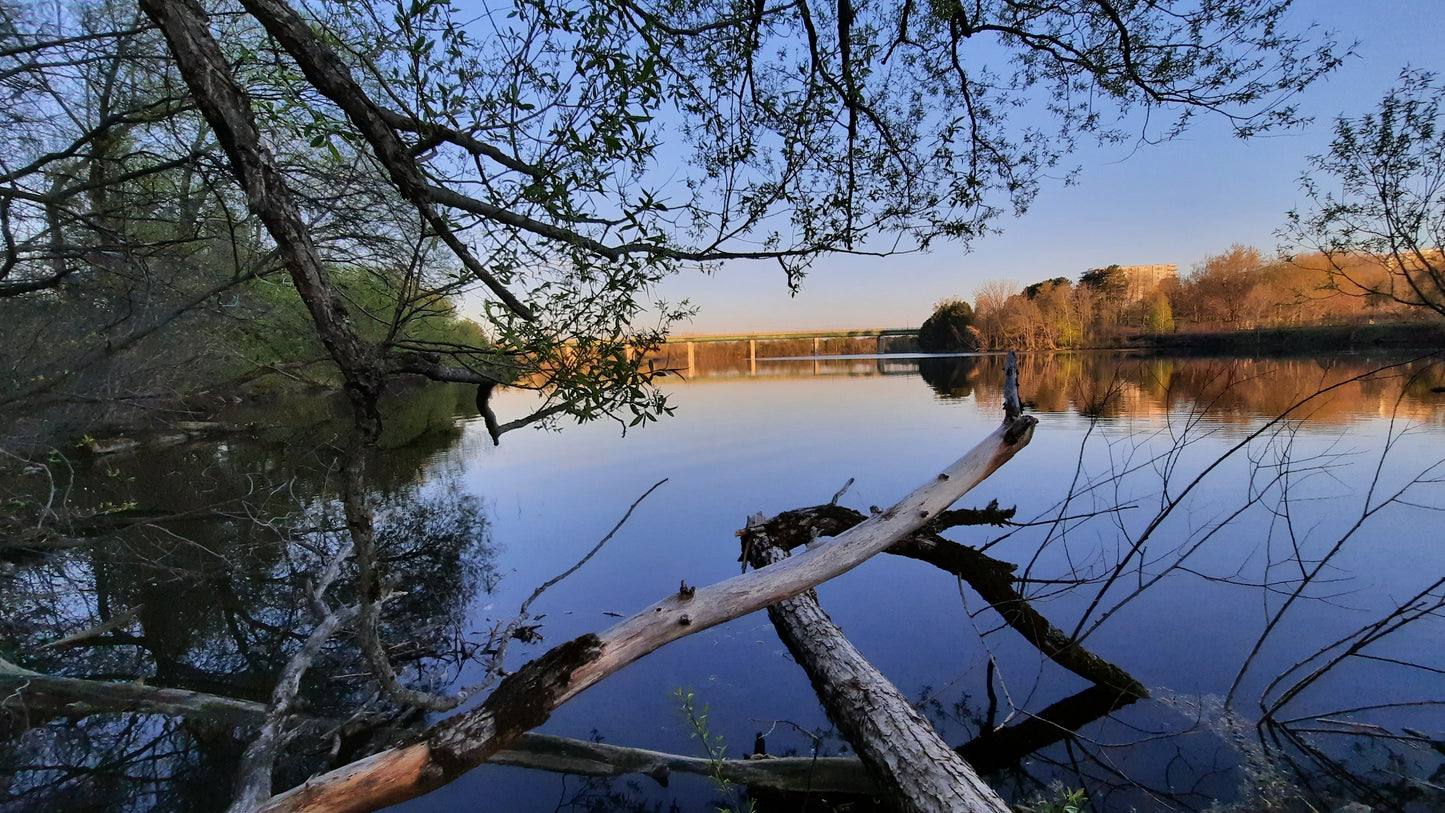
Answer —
1169 203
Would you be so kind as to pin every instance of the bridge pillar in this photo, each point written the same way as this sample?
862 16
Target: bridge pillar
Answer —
752 357
691 360
815 345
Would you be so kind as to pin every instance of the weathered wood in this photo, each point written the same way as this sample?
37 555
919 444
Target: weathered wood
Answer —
989 577
526 698
916 771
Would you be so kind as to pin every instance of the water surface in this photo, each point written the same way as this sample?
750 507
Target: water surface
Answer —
1183 617
1209 525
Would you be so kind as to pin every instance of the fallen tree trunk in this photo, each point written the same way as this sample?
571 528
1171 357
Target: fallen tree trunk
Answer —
526 699
990 751
915 770
989 577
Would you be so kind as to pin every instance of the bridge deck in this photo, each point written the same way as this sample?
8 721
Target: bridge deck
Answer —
809 334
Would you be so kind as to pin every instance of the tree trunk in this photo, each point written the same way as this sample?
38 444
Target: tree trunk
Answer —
916 771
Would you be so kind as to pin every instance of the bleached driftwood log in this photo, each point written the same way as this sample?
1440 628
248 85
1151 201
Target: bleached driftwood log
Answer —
526 699
916 771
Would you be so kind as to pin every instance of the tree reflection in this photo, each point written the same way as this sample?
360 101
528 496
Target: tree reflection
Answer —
951 377
1228 390
126 576
1334 678
202 582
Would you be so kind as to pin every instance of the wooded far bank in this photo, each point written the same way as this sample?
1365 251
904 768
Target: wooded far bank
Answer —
1222 305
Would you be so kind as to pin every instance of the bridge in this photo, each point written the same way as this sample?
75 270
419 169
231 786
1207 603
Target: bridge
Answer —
864 342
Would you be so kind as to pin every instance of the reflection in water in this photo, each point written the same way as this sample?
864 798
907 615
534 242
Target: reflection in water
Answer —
1178 587
197 576
189 567
951 377
1110 385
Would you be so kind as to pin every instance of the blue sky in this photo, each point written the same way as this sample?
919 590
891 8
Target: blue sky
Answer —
1170 203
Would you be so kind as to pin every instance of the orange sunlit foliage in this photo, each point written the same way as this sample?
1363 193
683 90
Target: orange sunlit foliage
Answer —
1239 289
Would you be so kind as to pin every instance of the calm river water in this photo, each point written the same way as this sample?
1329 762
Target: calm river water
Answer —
1274 581
1300 505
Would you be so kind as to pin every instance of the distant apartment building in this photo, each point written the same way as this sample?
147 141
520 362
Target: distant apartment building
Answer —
1143 280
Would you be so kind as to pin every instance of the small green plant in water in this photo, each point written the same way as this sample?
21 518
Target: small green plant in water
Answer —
1061 800
715 750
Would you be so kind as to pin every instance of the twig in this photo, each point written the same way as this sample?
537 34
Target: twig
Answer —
504 637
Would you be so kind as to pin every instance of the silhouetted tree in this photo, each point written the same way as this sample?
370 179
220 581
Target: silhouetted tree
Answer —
948 329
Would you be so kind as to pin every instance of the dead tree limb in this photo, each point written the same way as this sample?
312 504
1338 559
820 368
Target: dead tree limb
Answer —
990 751
32 698
527 698
915 770
998 749
990 578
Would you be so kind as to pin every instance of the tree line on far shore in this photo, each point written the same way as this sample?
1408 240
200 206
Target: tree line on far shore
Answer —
1238 289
